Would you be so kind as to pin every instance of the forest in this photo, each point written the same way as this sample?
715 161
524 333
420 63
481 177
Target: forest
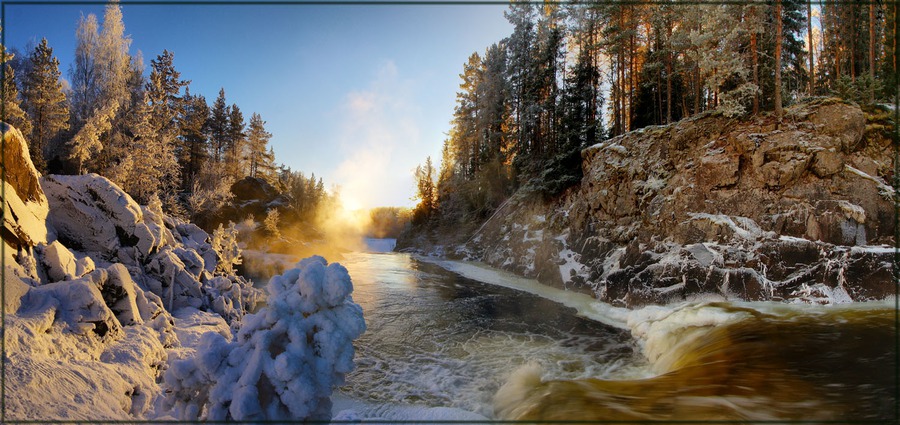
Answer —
148 134
574 74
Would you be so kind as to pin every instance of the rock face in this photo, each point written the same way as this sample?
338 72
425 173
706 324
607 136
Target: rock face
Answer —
25 204
711 205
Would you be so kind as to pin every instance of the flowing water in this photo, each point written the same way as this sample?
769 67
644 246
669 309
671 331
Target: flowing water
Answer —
441 346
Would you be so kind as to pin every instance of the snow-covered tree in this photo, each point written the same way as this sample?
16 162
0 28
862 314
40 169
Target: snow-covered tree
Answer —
101 75
12 102
164 95
44 101
153 169
270 223
83 71
259 156
285 360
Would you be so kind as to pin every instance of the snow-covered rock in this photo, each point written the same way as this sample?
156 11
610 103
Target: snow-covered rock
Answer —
59 262
178 262
92 214
285 360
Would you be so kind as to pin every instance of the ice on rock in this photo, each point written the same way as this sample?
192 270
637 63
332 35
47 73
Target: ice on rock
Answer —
284 361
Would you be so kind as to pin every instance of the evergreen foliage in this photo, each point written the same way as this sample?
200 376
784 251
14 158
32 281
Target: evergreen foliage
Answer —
45 102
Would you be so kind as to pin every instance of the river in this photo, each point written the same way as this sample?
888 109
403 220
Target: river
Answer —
440 345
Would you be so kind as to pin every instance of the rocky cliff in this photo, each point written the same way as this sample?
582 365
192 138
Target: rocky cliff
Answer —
718 207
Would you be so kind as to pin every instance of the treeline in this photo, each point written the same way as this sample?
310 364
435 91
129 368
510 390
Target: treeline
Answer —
572 75
148 134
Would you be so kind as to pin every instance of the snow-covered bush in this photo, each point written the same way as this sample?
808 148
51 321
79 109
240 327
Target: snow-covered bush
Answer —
225 242
271 223
285 360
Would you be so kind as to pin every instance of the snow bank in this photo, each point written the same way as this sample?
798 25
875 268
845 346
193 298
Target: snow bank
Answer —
99 339
285 360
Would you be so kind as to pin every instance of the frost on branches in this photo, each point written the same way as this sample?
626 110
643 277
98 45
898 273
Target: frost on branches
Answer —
285 360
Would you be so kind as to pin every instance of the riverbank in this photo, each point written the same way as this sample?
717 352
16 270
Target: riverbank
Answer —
708 206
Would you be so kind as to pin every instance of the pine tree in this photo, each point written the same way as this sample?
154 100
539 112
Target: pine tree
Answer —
44 101
778 47
218 127
260 162
164 95
193 152
425 193
236 141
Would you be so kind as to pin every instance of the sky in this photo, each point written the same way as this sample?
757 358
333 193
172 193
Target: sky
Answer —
358 95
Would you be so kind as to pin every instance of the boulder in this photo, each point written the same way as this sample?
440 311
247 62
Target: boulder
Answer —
253 189
92 214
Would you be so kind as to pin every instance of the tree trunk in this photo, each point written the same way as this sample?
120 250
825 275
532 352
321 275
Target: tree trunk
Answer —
853 36
872 52
812 69
668 71
755 54
778 41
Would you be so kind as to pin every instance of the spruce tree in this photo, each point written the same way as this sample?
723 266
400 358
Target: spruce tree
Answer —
44 101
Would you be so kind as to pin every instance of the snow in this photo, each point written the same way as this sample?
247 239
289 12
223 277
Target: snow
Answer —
59 262
65 335
88 307
742 227
884 189
284 361
585 305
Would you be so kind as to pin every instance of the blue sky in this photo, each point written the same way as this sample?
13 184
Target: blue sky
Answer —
358 95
